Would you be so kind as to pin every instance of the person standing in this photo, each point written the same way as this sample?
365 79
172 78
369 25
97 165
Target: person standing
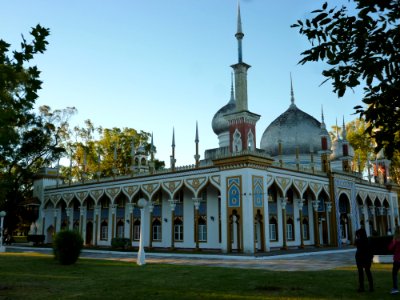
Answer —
363 260
395 247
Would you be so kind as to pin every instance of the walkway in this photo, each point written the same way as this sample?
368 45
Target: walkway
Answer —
302 261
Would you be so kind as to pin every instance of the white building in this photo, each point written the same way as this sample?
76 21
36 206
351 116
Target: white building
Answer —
298 189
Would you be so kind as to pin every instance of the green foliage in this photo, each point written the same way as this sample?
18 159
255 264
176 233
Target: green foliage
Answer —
97 152
120 243
362 49
28 140
67 246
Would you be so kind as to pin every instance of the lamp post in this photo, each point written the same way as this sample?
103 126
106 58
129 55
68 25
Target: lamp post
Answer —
141 257
2 215
196 202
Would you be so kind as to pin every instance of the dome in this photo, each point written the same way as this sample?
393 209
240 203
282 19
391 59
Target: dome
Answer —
294 128
219 123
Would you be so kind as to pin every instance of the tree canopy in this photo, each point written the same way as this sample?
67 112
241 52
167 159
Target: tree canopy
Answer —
28 140
361 49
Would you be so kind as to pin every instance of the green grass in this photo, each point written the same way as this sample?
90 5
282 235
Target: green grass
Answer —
37 276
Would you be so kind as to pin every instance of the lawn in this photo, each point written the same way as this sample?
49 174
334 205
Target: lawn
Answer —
38 276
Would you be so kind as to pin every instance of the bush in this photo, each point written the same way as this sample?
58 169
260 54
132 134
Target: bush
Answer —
36 239
121 243
380 244
67 246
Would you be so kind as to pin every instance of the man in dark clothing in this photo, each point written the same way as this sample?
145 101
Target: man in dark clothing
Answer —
363 259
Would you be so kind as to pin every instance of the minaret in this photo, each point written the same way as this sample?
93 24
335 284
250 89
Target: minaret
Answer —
242 123
240 69
151 163
324 144
173 160
346 160
196 140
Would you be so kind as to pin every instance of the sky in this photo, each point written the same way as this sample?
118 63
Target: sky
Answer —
155 65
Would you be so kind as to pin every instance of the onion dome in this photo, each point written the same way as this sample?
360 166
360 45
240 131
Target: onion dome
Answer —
219 123
294 128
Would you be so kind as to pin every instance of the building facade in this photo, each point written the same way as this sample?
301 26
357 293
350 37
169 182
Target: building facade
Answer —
298 189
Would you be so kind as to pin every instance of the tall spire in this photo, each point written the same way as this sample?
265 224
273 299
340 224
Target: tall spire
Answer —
344 133
240 70
239 34
291 91
323 126
173 160
196 140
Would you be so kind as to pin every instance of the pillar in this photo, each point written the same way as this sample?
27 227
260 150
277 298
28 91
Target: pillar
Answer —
283 203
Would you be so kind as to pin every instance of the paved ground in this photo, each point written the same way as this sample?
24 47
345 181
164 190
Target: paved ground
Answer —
279 261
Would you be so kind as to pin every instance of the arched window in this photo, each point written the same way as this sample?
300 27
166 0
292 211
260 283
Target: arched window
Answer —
156 230
136 230
120 229
305 228
290 229
202 230
104 230
178 230
273 229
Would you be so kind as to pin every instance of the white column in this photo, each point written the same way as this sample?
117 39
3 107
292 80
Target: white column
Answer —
141 256
69 211
328 217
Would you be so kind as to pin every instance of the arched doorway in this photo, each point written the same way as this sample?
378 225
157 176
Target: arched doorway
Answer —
345 221
89 233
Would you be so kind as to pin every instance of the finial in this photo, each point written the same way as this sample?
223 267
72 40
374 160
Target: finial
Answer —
291 91
239 20
239 34
232 91
322 118
344 133
197 134
173 137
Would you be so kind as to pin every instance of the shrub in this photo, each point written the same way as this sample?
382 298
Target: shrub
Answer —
380 244
67 246
121 243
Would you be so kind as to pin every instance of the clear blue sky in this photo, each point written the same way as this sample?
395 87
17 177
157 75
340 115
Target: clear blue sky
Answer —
157 64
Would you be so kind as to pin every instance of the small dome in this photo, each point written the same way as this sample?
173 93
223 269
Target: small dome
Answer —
219 123
294 128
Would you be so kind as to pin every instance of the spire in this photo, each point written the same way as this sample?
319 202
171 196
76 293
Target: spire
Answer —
173 160
173 137
197 134
239 34
232 100
344 133
197 156
323 126
291 91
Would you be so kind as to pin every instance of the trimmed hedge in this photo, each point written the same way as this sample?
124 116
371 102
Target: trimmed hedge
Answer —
120 243
380 244
67 246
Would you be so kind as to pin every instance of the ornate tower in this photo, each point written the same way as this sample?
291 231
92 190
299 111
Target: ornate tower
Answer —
242 123
324 145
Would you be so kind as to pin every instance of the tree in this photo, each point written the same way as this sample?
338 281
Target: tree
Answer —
97 152
362 49
28 140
